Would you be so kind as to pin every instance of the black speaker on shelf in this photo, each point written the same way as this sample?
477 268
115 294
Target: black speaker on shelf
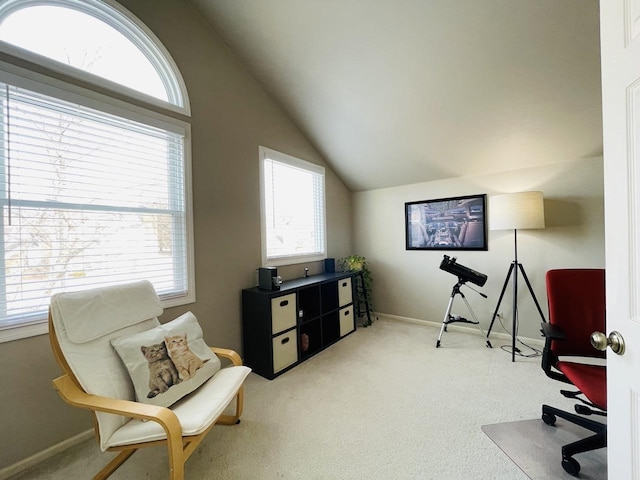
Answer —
329 265
268 278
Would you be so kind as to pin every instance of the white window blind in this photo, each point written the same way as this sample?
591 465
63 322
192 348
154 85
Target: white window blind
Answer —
88 199
293 209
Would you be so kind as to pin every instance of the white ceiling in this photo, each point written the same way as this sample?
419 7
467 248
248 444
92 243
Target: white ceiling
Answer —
393 92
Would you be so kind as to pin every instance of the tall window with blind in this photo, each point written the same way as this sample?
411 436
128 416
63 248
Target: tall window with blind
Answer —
93 191
88 199
293 209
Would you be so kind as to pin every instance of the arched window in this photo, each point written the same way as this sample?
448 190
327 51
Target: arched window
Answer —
97 38
94 191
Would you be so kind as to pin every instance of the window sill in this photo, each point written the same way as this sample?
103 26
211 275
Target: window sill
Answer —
24 331
280 261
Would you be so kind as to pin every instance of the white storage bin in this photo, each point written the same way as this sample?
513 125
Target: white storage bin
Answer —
345 296
283 313
347 321
285 350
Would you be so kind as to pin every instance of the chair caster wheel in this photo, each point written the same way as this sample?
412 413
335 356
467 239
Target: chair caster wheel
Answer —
571 466
438 344
550 419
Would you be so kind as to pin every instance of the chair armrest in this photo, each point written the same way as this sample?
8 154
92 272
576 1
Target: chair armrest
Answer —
552 332
549 358
226 353
74 395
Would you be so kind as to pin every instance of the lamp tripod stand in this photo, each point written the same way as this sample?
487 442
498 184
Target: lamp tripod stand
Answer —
513 270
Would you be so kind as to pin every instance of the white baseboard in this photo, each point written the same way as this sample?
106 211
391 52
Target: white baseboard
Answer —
502 336
45 454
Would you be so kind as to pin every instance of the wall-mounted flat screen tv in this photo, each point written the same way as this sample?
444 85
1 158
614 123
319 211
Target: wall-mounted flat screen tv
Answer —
454 223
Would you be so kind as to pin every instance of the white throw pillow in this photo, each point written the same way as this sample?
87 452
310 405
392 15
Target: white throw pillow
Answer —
167 362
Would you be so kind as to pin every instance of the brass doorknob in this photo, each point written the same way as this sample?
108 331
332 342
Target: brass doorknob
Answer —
614 340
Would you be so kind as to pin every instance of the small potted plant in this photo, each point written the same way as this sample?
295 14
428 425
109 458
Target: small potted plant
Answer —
358 263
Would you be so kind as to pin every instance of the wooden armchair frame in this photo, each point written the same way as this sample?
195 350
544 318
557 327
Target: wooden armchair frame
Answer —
179 447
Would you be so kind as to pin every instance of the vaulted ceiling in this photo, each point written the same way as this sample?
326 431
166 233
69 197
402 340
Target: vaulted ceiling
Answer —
393 92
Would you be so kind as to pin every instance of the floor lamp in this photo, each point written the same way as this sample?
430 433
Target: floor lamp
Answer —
516 211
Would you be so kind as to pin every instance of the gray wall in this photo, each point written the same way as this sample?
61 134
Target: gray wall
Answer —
409 283
231 117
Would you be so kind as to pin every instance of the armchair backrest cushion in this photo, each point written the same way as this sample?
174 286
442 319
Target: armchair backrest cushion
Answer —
84 324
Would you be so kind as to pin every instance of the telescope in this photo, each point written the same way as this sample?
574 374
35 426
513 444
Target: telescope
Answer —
464 274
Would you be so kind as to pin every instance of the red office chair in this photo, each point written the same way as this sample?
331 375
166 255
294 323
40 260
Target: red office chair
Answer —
576 309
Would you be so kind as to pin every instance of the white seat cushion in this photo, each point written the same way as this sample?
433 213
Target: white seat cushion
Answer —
93 361
195 412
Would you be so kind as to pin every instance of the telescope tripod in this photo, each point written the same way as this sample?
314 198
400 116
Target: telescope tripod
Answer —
448 318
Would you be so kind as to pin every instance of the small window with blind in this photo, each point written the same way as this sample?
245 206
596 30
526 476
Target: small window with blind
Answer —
293 209
93 191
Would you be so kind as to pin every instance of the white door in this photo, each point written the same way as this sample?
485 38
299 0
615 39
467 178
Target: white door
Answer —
620 43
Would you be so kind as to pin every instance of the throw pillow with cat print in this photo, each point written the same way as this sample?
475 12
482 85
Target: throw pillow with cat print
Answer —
167 362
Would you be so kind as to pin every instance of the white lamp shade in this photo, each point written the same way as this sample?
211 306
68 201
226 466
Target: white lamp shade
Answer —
515 211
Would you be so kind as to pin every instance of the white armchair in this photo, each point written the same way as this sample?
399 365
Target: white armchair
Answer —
82 326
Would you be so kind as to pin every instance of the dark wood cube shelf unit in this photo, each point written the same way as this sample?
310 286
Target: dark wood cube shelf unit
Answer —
282 328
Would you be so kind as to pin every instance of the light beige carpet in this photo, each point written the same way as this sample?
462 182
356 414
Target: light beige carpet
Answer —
383 403
536 448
